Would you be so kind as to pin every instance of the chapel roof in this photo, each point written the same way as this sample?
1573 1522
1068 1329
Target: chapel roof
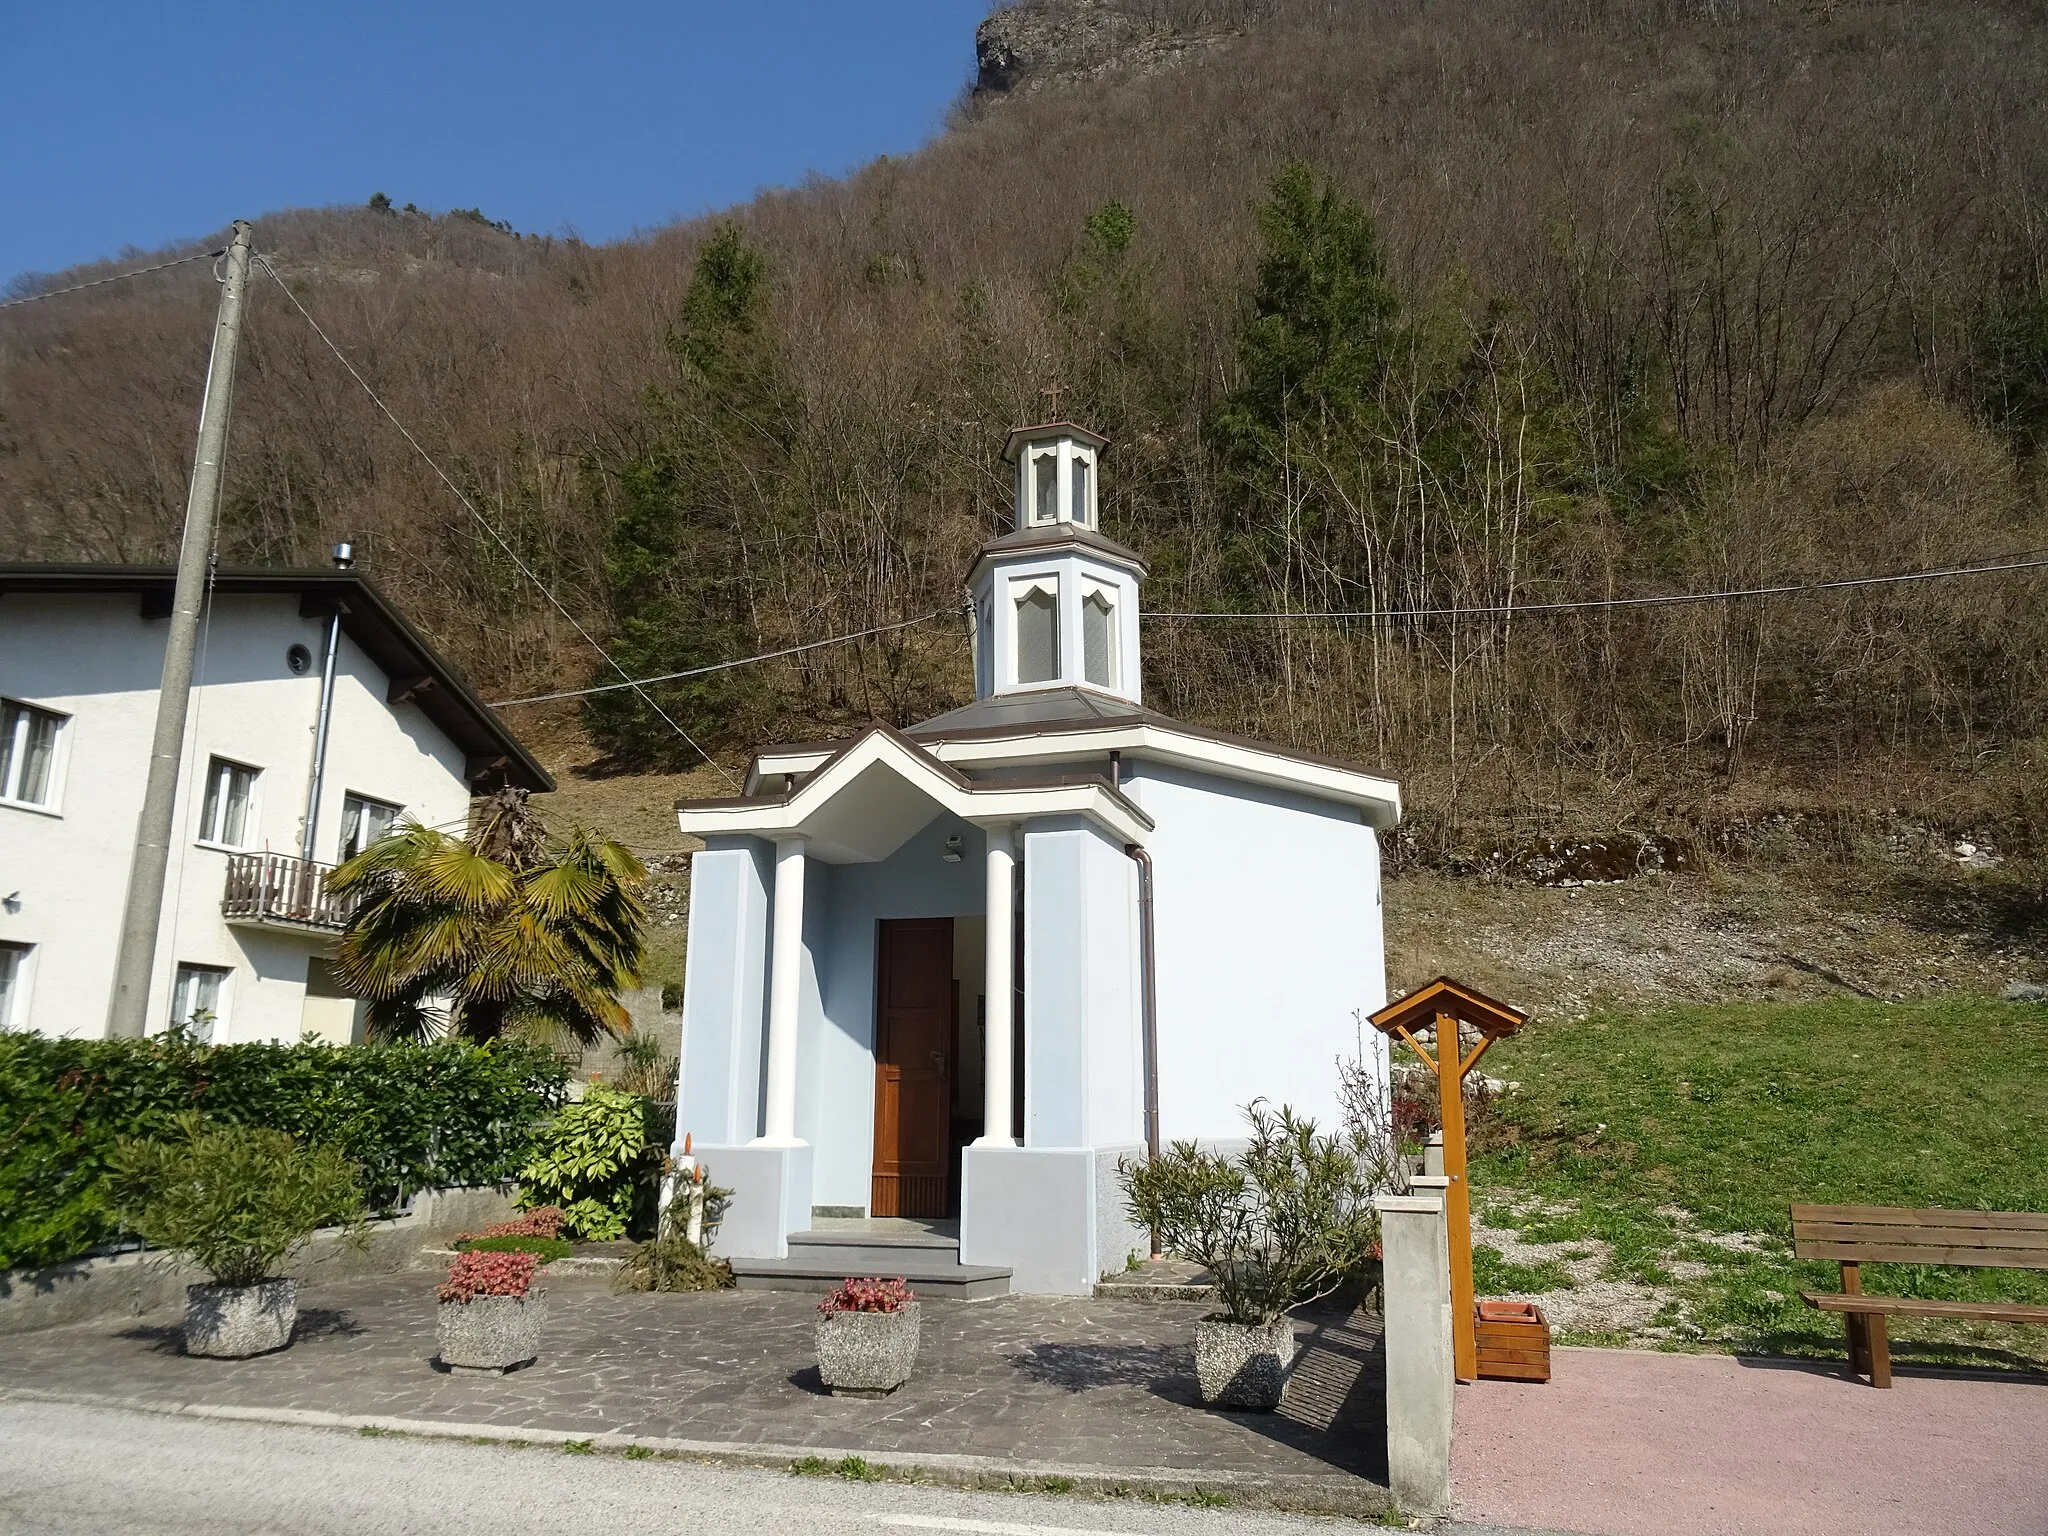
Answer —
1059 711
1054 535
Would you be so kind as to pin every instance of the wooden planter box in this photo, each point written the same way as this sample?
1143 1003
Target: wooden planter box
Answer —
1514 1341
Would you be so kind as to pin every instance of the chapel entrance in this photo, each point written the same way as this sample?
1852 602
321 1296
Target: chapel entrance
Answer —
916 1018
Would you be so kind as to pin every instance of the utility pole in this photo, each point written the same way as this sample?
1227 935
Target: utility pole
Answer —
142 917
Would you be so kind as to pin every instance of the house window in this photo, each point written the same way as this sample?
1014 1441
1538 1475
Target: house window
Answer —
198 999
1038 634
230 794
13 985
1098 639
1045 487
1082 507
363 822
28 753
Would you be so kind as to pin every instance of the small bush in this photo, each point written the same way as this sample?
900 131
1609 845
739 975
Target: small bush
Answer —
238 1201
546 1249
868 1296
488 1274
1284 1223
590 1161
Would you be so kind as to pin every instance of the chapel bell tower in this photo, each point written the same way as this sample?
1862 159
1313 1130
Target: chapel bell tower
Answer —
1055 602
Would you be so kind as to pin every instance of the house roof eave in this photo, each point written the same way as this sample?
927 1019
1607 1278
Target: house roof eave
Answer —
417 672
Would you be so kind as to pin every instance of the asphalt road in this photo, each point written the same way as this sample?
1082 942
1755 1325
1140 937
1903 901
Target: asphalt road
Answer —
67 1470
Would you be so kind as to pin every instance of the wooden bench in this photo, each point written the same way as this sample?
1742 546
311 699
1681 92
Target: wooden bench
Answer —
1855 1235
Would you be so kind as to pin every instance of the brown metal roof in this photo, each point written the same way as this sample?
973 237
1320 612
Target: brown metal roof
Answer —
416 670
1062 711
1053 535
1022 435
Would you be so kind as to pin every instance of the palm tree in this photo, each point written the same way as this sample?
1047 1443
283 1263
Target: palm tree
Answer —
508 931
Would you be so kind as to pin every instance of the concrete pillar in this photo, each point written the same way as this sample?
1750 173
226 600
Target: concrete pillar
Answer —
999 1052
1433 1155
1416 1285
785 980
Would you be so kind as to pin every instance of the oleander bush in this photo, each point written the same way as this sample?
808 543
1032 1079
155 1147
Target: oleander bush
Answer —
237 1200
408 1117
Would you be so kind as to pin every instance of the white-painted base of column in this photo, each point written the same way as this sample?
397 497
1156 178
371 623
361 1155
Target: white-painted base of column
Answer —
771 1197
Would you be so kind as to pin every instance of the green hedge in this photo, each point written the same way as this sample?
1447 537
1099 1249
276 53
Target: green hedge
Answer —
409 1116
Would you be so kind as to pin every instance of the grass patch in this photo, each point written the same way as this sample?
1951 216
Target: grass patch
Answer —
638 1453
546 1249
579 1448
1494 1275
1732 1112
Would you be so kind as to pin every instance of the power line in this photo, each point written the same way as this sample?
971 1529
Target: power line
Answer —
1518 610
721 666
101 282
484 522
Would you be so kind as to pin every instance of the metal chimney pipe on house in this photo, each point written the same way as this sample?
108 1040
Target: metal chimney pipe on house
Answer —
344 559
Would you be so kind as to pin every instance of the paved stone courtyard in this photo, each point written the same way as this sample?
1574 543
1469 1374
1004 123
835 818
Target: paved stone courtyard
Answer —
1100 1389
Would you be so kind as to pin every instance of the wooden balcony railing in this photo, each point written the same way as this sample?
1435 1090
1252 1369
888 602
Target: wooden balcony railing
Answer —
277 889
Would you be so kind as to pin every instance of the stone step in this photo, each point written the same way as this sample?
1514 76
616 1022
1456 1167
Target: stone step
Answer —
874 1253
801 1272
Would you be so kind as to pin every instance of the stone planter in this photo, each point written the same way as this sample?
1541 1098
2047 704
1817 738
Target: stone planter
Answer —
233 1322
492 1334
867 1354
1243 1365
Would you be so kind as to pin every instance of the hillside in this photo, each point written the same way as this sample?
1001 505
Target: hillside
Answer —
1570 300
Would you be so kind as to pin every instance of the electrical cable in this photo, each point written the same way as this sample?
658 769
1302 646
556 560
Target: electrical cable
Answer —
1520 610
100 282
485 523
721 666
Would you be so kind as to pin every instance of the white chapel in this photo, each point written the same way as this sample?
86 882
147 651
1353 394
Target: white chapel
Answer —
939 980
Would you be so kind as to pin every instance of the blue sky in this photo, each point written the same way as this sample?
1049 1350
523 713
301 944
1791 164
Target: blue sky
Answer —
135 124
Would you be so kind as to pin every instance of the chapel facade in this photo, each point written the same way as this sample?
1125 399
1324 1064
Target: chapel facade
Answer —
940 979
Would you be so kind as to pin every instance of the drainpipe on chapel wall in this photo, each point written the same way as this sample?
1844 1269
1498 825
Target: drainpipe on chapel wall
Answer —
1149 1004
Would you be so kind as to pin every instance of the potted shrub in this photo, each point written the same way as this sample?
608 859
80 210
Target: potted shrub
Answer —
1284 1223
239 1202
491 1312
867 1337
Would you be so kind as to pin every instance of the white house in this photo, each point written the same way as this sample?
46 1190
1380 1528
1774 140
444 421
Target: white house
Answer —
1173 922
247 923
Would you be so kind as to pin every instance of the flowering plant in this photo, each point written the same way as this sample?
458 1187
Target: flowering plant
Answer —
488 1274
545 1222
867 1296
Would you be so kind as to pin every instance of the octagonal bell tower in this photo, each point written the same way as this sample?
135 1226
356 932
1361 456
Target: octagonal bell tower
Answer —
1055 602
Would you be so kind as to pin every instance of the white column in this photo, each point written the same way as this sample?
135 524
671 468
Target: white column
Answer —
785 977
998 1047
1415 1292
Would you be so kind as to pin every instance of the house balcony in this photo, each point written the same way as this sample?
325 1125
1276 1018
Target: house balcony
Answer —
275 890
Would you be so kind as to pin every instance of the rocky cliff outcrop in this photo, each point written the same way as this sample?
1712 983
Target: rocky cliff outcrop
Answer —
1037 43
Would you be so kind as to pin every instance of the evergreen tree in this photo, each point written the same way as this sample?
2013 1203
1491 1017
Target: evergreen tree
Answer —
711 488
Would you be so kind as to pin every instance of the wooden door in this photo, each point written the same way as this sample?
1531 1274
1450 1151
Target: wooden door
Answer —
913 1067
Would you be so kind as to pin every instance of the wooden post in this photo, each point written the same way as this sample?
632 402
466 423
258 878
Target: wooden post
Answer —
1452 1005
1450 1081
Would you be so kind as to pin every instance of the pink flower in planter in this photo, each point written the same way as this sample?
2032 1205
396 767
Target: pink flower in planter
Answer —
489 1274
868 1296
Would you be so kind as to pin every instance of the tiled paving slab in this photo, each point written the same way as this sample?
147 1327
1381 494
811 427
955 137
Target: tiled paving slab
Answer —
1102 1385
